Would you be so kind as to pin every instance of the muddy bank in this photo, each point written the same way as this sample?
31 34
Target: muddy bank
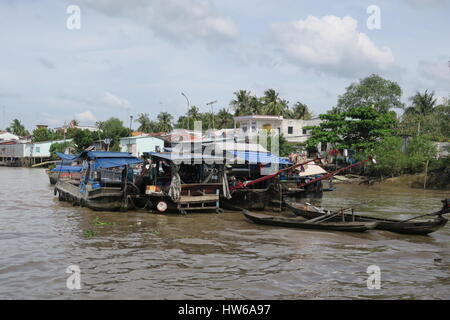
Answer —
434 181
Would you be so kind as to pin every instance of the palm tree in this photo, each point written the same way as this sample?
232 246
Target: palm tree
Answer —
223 119
165 122
272 103
17 128
146 125
422 104
242 103
300 111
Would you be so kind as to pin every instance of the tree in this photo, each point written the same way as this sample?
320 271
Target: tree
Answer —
242 104
300 111
422 104
145 124
45 134
81 138
420 149
165 122
60 147
358 129
272 104
382 94
113 129
223 119
391 161
17 128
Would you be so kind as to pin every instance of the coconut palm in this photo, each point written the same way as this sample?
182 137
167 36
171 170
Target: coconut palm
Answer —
17 128
165 122
223 119
422 104
272 103
242 103
146 125
300 111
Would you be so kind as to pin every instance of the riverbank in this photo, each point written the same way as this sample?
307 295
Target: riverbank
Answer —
433 181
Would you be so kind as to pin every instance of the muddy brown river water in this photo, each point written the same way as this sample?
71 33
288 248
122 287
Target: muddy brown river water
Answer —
138 255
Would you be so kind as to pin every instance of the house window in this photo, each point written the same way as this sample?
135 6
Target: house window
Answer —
38 149
290 130
305 131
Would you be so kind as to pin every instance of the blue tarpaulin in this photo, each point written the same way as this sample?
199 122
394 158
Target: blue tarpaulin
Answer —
68 157
67 169
261 157
104 163
103 160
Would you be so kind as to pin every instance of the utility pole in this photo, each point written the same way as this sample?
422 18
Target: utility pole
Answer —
188 106
131 121
212 111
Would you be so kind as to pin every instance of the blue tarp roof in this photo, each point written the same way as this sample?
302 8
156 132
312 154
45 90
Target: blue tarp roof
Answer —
104 163
103 160
67 169
184 156
261 157
92 155
68 157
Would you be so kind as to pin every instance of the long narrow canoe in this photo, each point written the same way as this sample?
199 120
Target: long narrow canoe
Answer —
301 223
409 227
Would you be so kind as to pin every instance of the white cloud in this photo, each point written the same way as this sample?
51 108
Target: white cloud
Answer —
178 20
438 70
85 116
114 101
330 44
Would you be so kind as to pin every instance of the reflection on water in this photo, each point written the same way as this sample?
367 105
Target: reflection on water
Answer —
212 256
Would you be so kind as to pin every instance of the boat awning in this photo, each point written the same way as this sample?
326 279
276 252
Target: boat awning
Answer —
103 160
105 163
67 169
261 157
185 157
68 157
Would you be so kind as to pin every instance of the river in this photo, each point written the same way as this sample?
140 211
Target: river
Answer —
138 255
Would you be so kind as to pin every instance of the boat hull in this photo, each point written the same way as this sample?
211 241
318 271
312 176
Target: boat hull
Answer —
418 228
298 223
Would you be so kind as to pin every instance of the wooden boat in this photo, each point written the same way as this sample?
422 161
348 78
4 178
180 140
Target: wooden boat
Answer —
404 227
182 182
300 223
106 181
64 172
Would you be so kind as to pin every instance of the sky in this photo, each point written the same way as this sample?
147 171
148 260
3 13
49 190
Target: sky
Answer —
138 56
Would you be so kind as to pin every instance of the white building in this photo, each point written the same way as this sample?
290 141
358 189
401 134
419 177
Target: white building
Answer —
7 136
139 144
292 129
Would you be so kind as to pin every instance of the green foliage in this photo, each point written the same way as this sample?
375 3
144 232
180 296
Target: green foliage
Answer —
358 129
60 147
393 158
145 124
17 128
113 129
164 122
422 104
432 121
81 138
45 134
390 160
420 150
374 91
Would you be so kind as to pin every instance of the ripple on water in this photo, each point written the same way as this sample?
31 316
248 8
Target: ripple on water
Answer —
141 255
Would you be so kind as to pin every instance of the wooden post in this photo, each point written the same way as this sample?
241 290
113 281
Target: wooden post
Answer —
426 173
